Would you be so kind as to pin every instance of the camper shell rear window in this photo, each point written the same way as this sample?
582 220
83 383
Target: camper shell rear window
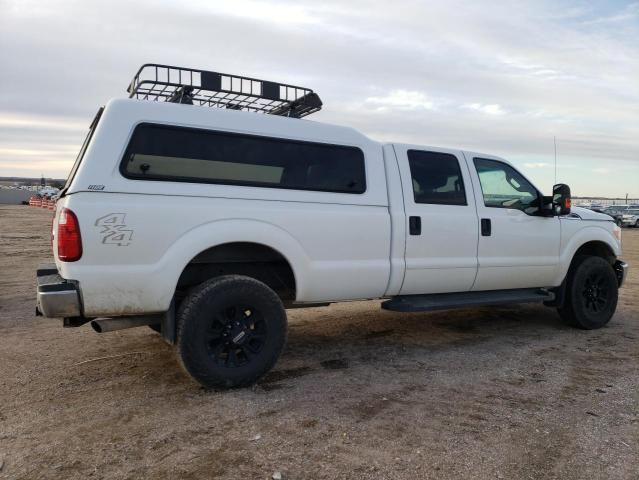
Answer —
83 149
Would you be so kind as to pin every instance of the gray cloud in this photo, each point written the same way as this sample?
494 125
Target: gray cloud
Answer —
503 79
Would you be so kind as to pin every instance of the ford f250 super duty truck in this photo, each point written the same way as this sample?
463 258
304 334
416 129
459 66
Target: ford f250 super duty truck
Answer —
208 223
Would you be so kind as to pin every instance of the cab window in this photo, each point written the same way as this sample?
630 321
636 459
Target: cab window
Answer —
436 178
504 187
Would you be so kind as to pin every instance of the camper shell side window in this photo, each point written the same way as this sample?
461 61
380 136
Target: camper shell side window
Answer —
181 154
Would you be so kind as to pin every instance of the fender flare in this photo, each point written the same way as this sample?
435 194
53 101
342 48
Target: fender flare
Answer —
219 232
591 233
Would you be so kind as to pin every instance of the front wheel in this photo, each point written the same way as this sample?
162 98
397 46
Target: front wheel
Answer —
231 331
591 294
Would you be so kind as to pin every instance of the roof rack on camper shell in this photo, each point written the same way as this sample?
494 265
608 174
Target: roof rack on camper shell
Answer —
201 87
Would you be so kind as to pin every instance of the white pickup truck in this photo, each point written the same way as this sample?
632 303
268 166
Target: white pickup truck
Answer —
208 223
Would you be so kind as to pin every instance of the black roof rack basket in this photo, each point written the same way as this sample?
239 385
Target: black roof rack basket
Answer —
200 87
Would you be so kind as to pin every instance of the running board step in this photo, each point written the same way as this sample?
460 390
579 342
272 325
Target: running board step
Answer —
443 301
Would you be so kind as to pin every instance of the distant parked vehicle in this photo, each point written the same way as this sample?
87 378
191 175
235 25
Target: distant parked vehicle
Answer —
49 192
630 218
598 207
616 211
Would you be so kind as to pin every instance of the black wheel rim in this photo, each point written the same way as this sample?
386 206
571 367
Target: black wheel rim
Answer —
596 293
236 335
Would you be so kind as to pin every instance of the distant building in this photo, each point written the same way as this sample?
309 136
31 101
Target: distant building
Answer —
13 196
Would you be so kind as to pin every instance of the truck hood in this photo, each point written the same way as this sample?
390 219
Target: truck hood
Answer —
586 214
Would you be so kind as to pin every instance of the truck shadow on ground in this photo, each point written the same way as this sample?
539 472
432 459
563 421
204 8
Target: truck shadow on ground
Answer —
408 341
355 341
425 329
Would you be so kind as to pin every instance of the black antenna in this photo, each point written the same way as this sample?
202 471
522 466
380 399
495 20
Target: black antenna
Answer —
555 141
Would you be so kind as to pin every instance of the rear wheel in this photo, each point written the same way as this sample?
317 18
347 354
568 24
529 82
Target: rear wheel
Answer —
231 331
591 293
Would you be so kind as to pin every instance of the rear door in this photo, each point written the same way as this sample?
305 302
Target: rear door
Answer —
441 218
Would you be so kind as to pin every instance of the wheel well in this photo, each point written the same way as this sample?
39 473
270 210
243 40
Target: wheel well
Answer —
593 249
596 249
240 258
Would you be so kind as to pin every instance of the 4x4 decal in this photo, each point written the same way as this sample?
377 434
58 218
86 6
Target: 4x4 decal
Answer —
114 229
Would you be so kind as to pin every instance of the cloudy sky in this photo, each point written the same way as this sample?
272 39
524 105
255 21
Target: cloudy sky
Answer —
488 76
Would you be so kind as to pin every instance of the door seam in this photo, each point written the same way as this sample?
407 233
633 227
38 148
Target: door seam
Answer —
472 186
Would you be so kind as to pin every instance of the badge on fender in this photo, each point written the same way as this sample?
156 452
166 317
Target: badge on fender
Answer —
114 231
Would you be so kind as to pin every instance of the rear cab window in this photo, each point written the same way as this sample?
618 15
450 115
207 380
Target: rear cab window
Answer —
436 178
181 154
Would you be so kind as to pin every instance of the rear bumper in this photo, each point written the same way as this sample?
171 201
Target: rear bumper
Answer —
621 269
55 296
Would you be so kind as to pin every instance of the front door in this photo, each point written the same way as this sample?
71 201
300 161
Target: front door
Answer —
441 217
517 247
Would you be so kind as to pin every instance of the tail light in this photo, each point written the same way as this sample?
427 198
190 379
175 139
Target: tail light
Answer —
69 239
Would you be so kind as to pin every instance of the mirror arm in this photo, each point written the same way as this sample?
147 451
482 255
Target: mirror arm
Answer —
543 211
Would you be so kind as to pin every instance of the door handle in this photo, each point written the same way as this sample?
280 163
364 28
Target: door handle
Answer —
486 227
415 225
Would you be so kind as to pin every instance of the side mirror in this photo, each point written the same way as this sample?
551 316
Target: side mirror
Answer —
561 200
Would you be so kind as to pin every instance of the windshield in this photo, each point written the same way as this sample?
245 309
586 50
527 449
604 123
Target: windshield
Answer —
83 149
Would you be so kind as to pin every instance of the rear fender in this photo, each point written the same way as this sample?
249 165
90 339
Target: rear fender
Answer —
212 234
134 289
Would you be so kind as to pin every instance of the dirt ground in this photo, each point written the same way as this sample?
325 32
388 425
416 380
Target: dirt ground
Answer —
505 392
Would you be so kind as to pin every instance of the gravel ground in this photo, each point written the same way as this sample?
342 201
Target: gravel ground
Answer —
506 392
